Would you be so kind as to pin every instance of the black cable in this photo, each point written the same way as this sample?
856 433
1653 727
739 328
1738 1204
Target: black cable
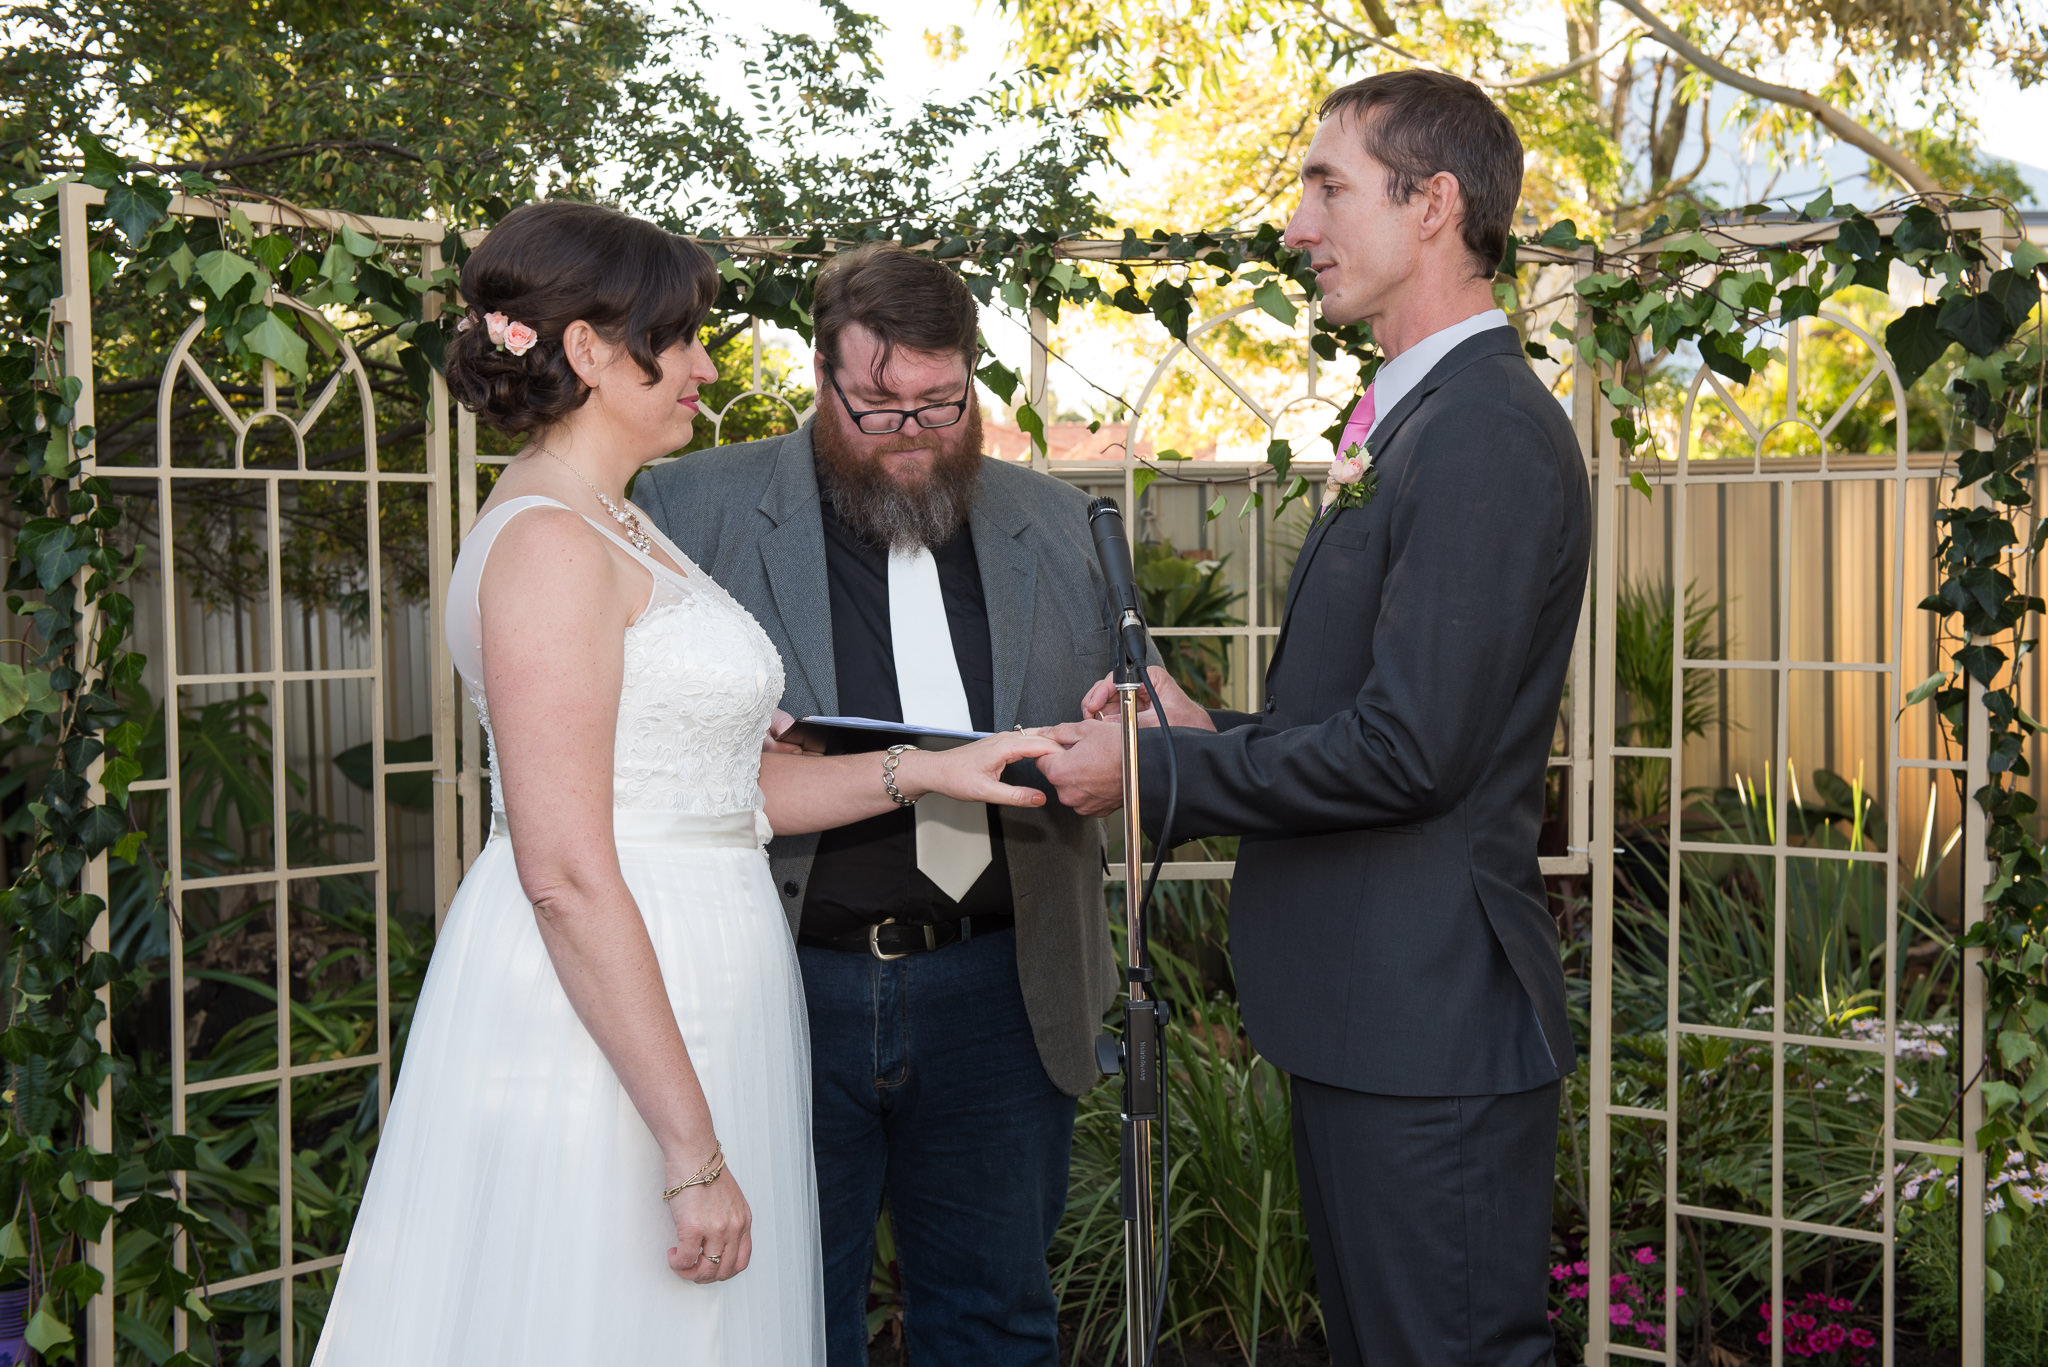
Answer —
1159 849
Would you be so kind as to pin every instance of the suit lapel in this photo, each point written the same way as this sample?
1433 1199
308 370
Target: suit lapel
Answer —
1009 588
793 554
1494 341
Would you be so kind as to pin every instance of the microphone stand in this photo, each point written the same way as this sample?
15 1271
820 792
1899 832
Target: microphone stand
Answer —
1140 1051
1138 1054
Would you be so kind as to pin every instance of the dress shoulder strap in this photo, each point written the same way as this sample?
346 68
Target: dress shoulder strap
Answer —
464 628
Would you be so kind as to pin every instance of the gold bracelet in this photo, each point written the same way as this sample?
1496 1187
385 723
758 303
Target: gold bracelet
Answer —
889 775
713 1169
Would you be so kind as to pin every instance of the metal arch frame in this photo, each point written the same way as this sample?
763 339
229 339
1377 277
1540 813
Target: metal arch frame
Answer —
1590 758
72 311
1783 474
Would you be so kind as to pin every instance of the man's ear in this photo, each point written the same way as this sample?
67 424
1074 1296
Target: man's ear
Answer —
588 353
1443 207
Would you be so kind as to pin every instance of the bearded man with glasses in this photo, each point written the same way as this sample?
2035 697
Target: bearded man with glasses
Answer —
956 959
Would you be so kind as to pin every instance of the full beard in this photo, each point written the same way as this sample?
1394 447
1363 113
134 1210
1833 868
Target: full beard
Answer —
895 514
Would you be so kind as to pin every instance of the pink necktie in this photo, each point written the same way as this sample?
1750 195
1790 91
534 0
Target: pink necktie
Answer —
1360 424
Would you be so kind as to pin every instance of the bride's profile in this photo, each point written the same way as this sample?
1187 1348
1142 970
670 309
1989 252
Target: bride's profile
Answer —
598 1151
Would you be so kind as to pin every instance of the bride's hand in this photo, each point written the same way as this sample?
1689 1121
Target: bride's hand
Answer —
710 1219
974 773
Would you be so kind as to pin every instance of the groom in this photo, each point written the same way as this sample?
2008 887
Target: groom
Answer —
1389 933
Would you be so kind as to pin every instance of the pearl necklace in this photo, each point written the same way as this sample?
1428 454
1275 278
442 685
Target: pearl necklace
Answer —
635 533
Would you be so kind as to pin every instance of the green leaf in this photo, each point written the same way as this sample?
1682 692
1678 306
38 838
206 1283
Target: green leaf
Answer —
1638 483
1798 301
274 340
1859 237
103 165
1999 1096
11 1245
1975 320
2017 291
1215 509
1142 479
1915 341
2016 1047
1820 206
1920 229
1696 245
359 246
181 262
136 209
1273 299
1924 690
2027 257
1280 455
1030 423
45 1330
222 269
13 695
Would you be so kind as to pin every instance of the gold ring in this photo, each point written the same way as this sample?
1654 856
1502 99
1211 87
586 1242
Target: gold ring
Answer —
712 1256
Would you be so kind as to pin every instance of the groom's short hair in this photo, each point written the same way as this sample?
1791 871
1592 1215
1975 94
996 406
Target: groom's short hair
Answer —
905 300
1417 123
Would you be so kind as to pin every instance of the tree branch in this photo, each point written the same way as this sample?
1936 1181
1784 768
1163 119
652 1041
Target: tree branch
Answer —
1825 114
1516 83
286 153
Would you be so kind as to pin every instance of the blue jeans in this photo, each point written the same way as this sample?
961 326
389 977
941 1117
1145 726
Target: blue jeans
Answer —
927 1090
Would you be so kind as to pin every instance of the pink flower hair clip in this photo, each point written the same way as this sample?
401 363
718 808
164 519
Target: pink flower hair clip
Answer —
505 334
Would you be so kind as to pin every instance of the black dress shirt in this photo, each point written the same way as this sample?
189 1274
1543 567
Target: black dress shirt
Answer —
867 872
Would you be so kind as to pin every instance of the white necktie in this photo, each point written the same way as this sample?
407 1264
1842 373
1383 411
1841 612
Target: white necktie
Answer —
952 836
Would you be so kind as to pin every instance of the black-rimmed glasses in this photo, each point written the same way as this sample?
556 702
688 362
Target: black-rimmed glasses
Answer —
880 422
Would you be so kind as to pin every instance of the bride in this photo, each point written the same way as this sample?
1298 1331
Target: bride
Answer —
599 1149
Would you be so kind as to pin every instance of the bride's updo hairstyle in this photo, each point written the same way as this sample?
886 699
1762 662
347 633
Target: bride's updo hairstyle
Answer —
545 266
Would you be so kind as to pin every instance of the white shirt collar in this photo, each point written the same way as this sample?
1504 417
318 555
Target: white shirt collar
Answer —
1404 372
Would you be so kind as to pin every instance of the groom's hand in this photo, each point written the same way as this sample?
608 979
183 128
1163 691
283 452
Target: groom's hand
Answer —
1088 772
1181 710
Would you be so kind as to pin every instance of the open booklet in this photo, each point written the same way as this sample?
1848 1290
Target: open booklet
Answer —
844 734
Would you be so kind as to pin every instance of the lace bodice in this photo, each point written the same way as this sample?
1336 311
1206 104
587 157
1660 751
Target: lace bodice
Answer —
701 679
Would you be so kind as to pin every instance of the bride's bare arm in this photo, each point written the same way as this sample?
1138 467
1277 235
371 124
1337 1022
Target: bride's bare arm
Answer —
556 602
818 792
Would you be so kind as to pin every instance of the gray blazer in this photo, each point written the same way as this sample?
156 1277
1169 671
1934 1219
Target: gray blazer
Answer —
1388 926
748 514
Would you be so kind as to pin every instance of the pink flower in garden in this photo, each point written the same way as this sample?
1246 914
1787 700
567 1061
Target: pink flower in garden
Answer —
1645 1256
1619 1314
1863 1338
494 324
519 339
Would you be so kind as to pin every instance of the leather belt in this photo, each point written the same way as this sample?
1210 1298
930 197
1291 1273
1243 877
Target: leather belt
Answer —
893 939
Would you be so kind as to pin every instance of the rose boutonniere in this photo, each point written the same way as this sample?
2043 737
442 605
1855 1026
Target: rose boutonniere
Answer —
1352 480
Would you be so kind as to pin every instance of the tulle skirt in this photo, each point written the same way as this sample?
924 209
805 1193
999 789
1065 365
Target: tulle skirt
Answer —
513 1214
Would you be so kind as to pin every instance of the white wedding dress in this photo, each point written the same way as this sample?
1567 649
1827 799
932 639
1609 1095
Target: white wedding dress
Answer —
513 1216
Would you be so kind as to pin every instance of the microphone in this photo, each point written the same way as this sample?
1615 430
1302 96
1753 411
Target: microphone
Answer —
1106 521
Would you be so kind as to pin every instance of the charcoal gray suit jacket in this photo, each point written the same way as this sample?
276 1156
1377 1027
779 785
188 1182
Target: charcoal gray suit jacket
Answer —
1388 925
749 515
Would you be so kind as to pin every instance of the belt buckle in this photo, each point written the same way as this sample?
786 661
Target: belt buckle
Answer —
874 944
